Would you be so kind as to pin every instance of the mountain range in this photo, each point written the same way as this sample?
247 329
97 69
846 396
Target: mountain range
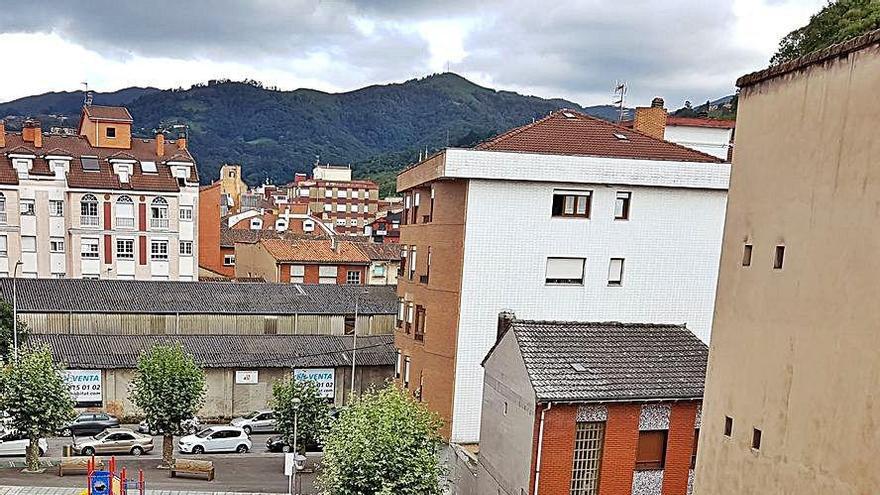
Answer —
273 134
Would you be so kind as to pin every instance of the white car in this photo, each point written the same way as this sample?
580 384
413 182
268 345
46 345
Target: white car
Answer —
215 439
12 443
256 421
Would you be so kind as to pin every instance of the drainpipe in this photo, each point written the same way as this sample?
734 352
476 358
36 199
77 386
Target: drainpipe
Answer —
540 446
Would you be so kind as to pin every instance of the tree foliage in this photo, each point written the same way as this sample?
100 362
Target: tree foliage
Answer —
836 22
6 332
169 386
36 396
311 414
384 443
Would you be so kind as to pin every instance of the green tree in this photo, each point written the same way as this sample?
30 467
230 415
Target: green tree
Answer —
384 443
6 333
836 22
36 396
312 411
169 386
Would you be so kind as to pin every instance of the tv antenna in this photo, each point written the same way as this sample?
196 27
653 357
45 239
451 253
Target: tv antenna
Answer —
620 99
87 98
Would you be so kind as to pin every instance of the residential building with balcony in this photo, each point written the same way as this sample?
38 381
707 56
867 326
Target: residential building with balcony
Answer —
567 218
102 204
342 203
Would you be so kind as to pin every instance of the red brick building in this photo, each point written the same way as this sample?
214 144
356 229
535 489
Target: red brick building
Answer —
304 261
590 408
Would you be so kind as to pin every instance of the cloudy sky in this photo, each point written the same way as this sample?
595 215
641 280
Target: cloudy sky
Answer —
678 49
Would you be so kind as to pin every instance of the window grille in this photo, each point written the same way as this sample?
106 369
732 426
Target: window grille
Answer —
589 438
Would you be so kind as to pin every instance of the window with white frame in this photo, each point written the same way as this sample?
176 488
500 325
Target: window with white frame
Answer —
328 193
353 277
565 271
406 366
615 272
186 213
186 248
88 211
159 250
256 223
399 365
3 245
327 274
125 249
90 248
304 192
340 208
328 207
124 212
159 214
56 244
308 226
412 262
28 244
27 207
340 222
297 274
56 208
229 260
2 209
572 203
341 193
621 205
353 222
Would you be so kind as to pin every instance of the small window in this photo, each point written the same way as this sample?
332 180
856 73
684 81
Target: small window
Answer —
125 249
572 204
4 245
406 371
615 272
149 167
229 260
353 277
297 274
186 248
728 426
565 271
27 207
756 439
747 255
621 205
779 257
399 365
56 244
256 223
159 250
56 208
327 274
651 453
186 213
111 132
694 450
349 325
90 249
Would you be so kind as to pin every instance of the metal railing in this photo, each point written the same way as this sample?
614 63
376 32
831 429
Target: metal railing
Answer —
158 223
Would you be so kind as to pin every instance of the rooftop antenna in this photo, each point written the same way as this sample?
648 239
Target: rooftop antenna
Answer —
87 99
317 160
620 99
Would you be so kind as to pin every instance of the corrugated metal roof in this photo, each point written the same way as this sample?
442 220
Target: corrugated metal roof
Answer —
167 297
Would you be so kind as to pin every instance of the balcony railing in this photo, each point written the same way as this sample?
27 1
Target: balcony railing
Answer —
158 223
125 222
90 221
419 335
2 218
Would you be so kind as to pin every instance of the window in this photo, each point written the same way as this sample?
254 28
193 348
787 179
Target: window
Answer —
28 244
651 453
340 222
27 207
229 260
3 245
124 212
90 248
159 213
297 274
406 365
756 439
327 274
621 206
379 270
186 248
308 226
125 249
588 441
186 213
56 208
409 317
572 204
565 271
747 255
419 333
615 272
2 208
328 193
728 426
56 244
779 257
401 311
426 277
340 208
353 277
399 364
256 223
328 207
149 167
341 193
348 325
159 250
694 450
88 211
111 132
304 192
412 262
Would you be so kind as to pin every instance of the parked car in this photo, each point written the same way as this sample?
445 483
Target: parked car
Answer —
189 426
114 441
14 443
89 423
216 439
257 421
279 444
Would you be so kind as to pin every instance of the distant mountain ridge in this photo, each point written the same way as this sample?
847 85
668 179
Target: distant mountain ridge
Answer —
378 129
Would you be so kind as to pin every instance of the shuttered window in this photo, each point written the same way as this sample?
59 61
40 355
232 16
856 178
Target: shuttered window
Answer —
588 442
652 450
565 271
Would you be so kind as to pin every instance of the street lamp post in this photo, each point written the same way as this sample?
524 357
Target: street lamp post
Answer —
15 312
292 480
354 340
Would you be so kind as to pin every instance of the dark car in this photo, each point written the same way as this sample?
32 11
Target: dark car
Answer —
279 444
89 424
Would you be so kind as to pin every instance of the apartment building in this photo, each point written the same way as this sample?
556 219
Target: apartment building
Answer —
101 204
569 218
791 390
590 408
385 228
343 204
710 136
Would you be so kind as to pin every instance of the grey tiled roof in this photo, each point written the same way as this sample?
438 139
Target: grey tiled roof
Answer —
221 351
166 297
587 362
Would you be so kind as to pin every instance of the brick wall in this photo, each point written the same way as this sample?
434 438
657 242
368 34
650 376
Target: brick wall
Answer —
557 452
651 121
619 452
679 448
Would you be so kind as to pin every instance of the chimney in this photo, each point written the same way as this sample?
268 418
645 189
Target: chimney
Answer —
181 142
505 320
651 120
2 133
160 144
32 133
334 243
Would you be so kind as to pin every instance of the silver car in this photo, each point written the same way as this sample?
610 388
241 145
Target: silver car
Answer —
257 421
114 441
188 426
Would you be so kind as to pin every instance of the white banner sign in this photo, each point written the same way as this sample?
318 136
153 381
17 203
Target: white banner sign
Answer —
247 377
324 378
85 386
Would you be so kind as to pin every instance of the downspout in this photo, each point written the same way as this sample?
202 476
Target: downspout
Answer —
540 446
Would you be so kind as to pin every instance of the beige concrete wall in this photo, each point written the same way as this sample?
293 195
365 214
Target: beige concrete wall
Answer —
794 352
252 260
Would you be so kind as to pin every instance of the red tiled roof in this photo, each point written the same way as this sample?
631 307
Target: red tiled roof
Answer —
314 251
99 112
701 122
566 132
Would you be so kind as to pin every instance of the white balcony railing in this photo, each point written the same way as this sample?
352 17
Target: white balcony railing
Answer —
158 223
2 218
125 222
89 221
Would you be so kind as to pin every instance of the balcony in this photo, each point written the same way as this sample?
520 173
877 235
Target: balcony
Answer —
125 222
2 218
159 223
90 221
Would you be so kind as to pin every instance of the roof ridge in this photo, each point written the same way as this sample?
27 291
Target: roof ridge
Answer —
512 132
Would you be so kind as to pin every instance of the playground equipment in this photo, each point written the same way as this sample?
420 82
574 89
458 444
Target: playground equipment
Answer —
107 482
